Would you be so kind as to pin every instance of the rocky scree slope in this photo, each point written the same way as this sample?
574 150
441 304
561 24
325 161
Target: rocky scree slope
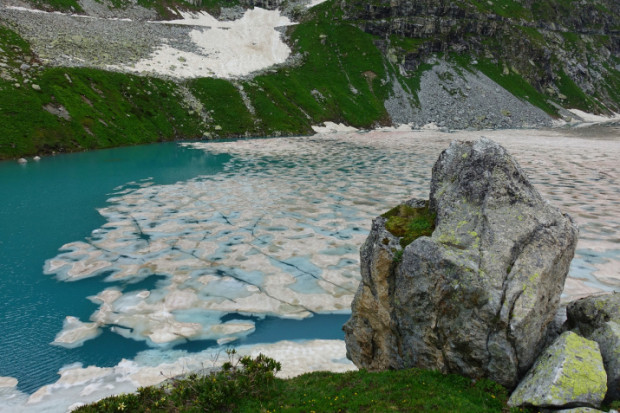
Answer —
459 64
553 45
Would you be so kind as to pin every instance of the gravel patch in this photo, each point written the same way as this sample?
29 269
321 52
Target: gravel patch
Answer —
454 98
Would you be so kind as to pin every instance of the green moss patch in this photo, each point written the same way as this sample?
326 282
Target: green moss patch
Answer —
410 223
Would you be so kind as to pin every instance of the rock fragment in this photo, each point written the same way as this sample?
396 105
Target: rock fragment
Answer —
569 373
608 339
590 313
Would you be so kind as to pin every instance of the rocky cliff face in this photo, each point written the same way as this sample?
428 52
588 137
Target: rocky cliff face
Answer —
477 295
548 42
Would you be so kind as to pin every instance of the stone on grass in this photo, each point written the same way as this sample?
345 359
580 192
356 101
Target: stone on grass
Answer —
477 295
569 373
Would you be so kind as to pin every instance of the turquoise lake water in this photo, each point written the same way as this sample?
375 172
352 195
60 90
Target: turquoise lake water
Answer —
49 203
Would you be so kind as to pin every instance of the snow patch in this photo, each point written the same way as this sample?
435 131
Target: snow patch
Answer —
225 49
590 117
331 127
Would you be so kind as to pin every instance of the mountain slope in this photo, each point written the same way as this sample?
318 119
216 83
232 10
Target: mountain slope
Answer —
358 62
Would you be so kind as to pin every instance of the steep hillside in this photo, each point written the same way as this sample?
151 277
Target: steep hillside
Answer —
65 83
567 50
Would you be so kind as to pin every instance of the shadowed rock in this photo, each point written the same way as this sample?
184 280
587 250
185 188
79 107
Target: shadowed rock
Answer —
474 297
598 318
590 313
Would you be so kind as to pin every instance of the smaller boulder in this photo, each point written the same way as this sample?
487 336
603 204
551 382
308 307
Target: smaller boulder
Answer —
569 373
590 313
608 339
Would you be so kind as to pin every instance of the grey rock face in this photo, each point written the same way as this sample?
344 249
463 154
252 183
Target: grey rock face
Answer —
569 373
475 297
590 313
608 339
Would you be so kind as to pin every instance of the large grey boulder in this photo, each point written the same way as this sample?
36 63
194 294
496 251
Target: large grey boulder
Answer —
569 373
476 296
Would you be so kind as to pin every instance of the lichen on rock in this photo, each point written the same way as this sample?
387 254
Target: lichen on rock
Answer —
590 313
569 373
475 294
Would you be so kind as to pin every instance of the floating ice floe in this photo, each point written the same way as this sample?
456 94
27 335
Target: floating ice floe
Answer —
281 241
74 333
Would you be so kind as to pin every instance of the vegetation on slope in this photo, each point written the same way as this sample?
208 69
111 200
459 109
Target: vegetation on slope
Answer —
250 386
106 109
345 74
562 49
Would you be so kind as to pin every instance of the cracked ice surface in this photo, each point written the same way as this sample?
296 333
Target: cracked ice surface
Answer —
278 231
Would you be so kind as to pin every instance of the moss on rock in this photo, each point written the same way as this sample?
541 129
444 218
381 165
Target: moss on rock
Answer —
409 223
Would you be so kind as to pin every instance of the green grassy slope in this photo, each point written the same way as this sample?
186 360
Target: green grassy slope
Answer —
110 109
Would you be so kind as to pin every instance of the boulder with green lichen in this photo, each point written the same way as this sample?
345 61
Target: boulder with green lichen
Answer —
590 313
569 373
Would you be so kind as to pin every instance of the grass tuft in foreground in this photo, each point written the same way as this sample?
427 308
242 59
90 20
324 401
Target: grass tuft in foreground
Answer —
249 385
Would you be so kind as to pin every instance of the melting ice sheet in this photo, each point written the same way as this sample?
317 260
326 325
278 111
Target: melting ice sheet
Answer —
278 234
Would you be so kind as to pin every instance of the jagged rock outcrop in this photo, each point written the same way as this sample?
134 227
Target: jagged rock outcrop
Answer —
569 373
476 296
